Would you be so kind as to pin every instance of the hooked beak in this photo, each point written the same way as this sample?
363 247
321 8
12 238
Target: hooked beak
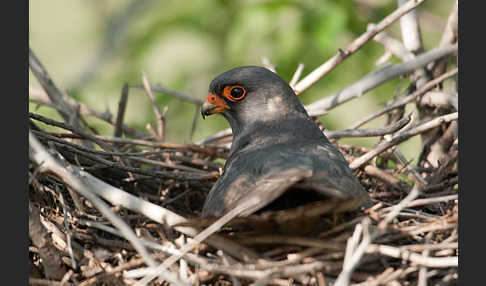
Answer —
207 109
213 104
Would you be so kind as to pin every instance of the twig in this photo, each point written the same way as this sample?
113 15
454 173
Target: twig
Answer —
440 99
226 261
68 229
268 64
392 45
450 32
382 175
70 128
387 55
216 136
45 282
410 28
414 193
161 215
68 109
370 131
431 84
51 259
434 246
158 113
297 74
421 202
377 78
330 64
150 244
422 278
354 252
401 158
449 36
200 237
284 239
341 227
402 136
250 273
122 104
294 258
168 165
98 138
71 177
183 176
395 252
40 97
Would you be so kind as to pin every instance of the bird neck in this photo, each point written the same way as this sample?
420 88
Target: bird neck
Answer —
286 130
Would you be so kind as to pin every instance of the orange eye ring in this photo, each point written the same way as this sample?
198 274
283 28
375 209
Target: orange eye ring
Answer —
234 92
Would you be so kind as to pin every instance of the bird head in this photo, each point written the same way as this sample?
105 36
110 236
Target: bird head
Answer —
251 94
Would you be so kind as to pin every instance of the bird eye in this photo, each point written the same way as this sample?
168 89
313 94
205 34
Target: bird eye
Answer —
234 92
237 92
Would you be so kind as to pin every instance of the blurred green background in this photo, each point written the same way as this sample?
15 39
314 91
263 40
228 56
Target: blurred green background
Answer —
92 47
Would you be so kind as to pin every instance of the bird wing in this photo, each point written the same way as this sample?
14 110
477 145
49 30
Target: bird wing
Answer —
331 176
247 177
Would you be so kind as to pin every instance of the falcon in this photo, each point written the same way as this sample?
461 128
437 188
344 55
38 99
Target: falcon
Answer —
277 148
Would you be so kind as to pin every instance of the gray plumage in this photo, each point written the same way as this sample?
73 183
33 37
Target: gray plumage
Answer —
276 147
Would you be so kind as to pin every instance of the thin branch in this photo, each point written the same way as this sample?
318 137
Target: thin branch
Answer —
199 238
122 104
330 64
252 273
410 28
387 55
422 279
402 136
436 262
392 128
355 252
392 45
68 109
268 64
70 128
40 97
377 78
440 99
150 244
215 137
414 193
297 74
158 214
47 163
449 36
433 200
51 259
404 100
158 114
191 177
98 138
68 229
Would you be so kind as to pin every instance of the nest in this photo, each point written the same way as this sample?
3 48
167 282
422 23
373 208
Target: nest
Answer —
390 241
124 209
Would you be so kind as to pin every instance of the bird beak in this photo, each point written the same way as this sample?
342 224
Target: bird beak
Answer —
213 104
207 109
